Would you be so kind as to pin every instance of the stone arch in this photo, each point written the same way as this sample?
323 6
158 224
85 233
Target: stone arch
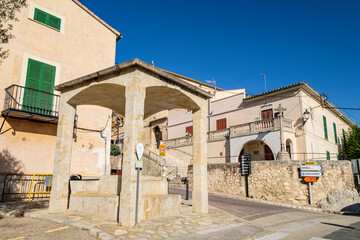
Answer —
132 90
108 95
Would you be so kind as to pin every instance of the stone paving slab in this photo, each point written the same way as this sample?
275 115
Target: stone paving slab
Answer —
215 225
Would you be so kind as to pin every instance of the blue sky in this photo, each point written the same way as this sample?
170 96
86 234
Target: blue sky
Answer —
317 41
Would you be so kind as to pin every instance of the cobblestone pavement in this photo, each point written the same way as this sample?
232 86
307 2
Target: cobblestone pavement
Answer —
214 225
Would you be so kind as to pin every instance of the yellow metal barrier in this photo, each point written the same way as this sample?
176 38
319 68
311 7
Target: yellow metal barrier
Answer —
42 184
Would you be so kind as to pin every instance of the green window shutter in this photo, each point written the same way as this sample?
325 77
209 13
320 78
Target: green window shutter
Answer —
40 16
54 22
325 128
327 155
338 157
335 134
40 78
47 19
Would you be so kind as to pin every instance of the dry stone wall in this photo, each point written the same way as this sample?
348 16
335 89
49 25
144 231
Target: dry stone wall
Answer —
279 181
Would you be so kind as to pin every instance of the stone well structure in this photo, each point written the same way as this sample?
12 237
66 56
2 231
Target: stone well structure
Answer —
136 90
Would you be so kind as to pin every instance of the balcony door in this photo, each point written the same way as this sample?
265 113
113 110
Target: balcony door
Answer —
39 87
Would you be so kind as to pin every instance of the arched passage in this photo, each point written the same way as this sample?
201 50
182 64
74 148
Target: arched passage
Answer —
289 147
271 139
258 150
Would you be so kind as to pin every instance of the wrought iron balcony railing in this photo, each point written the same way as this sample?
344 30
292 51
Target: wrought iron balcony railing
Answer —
29 101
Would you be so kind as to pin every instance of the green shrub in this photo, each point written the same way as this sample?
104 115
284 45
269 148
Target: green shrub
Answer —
115 150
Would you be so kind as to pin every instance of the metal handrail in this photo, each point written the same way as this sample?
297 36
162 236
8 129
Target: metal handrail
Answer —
29 100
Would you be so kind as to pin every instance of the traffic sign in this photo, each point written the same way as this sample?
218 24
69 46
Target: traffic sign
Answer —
311 174
245 164
139 153
310 179
309 163
310 168
162 150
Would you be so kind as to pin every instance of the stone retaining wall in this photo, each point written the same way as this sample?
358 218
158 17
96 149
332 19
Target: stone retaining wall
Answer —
279 181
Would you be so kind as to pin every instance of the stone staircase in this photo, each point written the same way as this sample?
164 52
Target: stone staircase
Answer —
177 182
175 167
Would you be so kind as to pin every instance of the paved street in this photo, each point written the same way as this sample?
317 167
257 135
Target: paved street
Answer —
287 223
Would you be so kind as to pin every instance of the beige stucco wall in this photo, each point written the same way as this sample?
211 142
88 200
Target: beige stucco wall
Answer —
83 46
314 130
305 138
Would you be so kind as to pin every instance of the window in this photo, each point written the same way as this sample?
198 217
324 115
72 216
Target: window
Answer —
266 114
189 131
327 155
47 19
40 77
325 128
221 124
335 134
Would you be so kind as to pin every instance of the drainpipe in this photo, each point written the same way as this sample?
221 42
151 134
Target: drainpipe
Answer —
209 112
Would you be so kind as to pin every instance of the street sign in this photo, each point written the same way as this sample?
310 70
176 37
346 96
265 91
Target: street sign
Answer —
309 163
162 150
310 179
246 164
139 153
311 174
310 168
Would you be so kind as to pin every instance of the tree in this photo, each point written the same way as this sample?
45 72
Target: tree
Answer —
350 147
8 10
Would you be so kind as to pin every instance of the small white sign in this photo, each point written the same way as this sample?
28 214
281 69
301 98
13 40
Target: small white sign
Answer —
139 164
139 150
311 174
310 168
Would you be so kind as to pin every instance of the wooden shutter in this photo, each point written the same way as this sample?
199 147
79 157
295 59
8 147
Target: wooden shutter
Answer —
335 133
327 155
33 79
54 22
266 114
40 78
40 16
325 128
221 124
189 130
47 19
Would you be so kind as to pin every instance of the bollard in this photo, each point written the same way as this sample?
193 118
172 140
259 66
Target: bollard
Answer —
187 189
168 180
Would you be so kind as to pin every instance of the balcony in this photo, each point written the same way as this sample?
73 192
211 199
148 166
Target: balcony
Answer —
240 130
31 104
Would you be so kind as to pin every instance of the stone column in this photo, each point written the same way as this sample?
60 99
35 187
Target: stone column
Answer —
133 134
64 139
200 191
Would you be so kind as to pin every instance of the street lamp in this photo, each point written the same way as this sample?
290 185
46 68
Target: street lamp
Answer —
306 115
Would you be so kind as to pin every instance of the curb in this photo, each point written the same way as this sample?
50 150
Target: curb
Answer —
314 209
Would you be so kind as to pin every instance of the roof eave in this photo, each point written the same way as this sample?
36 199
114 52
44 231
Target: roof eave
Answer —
134 62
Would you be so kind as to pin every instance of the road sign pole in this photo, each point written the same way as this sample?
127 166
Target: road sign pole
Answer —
137 196
161 167
310 195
